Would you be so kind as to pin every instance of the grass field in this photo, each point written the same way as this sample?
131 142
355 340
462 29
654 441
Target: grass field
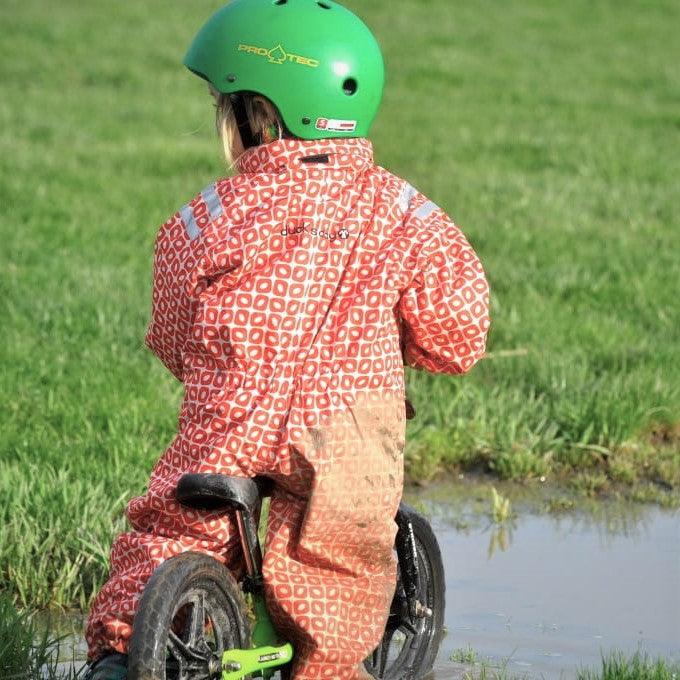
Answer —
548 130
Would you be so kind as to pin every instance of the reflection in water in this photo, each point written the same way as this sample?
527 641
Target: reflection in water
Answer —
609 522
466 508
609 527
548 593
500 538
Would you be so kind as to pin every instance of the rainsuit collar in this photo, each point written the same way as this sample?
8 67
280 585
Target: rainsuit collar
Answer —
284 154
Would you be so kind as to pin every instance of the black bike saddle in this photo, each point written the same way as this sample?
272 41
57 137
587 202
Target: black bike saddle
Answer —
205 491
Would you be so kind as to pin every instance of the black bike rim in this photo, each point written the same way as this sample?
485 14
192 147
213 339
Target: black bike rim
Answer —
201 629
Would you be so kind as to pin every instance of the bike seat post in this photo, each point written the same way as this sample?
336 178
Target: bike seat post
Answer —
222 493
250 544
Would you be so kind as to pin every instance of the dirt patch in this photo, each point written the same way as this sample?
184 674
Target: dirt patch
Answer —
665 435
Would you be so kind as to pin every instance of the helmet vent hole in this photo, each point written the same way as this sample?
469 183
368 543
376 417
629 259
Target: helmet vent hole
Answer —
350 86
280 2
323 5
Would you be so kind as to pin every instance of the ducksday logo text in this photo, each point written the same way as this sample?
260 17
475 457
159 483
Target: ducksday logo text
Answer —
277 55
292 230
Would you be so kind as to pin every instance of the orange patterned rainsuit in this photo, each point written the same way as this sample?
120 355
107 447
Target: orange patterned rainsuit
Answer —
287 299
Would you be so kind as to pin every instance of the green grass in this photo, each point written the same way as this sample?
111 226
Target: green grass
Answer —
616 666
546 129
464 655
28 651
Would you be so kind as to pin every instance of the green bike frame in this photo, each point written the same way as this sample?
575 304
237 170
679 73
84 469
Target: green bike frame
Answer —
267 654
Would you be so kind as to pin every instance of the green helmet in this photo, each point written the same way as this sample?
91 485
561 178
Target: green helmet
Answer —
316 61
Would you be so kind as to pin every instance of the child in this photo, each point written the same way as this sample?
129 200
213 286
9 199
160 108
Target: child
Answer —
287 299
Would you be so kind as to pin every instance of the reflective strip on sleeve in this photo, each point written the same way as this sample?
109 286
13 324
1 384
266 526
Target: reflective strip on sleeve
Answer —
426 209
214 206
406 197
212 201
190 222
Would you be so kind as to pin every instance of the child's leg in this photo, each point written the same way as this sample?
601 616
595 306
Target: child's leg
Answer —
161 529
329 567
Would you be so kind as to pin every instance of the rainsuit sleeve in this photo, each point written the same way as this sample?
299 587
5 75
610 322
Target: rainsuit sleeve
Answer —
184 266
172 308
445 309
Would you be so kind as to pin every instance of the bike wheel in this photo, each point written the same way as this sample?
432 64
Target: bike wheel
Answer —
408 651
190 612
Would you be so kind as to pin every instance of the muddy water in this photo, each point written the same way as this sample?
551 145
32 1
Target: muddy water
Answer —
546 594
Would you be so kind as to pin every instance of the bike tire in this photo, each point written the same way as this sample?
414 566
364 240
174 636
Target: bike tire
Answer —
190 612
415 659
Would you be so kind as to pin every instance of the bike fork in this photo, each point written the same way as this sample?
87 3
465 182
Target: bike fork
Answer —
407 553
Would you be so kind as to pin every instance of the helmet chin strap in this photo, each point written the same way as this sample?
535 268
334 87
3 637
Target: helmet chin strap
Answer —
241 115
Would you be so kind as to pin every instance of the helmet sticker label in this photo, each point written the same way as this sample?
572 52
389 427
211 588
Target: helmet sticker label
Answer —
335 125
278 55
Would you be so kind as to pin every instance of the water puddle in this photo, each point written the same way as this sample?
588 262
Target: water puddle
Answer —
546 594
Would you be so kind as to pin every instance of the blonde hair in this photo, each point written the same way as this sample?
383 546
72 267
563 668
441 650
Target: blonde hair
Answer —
263 117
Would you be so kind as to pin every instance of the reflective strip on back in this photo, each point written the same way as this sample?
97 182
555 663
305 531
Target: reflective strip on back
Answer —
189 220
426 209
212 201
407 194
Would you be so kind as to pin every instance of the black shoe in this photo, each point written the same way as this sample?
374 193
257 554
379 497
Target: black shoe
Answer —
110 667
